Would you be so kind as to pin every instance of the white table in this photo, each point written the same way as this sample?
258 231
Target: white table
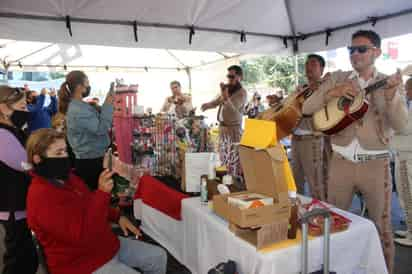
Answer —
202 240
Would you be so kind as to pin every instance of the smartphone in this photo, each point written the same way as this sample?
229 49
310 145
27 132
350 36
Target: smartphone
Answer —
112 90
110 160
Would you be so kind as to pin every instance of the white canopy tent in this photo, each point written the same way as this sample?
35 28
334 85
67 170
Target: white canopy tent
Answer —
152 69
241 26
42 56
132 35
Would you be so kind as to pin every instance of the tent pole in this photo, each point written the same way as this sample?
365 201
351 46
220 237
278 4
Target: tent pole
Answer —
6 72
189 77
131 23
216 61
32 53
175 57
296 57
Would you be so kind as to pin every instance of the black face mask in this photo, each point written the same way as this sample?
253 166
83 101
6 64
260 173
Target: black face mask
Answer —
54 168
87 92
19 118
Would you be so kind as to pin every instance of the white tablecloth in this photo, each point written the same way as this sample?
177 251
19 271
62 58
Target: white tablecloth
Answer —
165 230
202 240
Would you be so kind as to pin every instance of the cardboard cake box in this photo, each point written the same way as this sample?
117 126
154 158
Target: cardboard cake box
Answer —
264 174
263 236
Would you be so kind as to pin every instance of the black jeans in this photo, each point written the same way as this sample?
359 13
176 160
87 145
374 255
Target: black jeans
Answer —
20 256
89 170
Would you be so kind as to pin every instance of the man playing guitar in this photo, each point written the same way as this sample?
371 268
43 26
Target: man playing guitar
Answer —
308 146
360 158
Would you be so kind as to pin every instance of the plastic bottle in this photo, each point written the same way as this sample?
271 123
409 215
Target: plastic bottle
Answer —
212 167
227 180
203 191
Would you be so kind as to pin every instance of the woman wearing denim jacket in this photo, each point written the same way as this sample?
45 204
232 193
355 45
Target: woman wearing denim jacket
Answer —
87 129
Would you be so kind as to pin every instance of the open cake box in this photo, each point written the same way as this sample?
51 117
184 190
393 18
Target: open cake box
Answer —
263 171
263 164
262 160
264 174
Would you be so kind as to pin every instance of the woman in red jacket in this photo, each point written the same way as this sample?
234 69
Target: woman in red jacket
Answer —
73 224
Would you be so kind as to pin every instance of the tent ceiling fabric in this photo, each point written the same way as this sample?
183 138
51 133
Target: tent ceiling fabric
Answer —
48 56
264 16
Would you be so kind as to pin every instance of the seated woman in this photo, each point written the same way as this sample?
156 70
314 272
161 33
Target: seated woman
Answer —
72 223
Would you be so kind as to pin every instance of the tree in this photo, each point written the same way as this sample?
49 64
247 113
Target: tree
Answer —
56 75
274 71
251 72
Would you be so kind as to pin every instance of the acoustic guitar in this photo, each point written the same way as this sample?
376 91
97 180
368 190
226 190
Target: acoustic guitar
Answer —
341 112
288 112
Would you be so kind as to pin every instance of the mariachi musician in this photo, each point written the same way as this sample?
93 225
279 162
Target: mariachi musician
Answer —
310 149
230 103
360 159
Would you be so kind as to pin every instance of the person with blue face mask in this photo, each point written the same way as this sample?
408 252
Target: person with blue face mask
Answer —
20 253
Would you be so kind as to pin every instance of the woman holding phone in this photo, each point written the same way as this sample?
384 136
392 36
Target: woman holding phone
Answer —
87 129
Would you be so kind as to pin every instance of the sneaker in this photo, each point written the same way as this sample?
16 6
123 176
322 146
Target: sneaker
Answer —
401 233
404 241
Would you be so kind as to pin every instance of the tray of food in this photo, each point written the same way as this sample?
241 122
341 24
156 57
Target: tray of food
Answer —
338 222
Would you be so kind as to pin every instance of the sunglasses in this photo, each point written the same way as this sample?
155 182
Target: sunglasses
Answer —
231 76
360 49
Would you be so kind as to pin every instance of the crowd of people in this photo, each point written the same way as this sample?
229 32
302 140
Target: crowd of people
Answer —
65 200
65 203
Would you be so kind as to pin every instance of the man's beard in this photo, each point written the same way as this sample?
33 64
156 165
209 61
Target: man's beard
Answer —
362 65
233 88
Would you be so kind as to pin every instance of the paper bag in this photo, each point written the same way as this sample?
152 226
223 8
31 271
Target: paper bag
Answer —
259 134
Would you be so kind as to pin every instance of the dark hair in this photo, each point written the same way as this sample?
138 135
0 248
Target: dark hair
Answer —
372 36
73 79
318 58
237 69
175 83
408 84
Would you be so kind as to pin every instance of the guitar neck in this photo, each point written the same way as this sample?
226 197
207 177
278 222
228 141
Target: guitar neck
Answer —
375 86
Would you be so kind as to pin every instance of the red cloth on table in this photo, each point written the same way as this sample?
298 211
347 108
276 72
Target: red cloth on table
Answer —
161 197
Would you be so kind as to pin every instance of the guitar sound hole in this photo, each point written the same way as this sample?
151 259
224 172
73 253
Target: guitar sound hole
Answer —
344 103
